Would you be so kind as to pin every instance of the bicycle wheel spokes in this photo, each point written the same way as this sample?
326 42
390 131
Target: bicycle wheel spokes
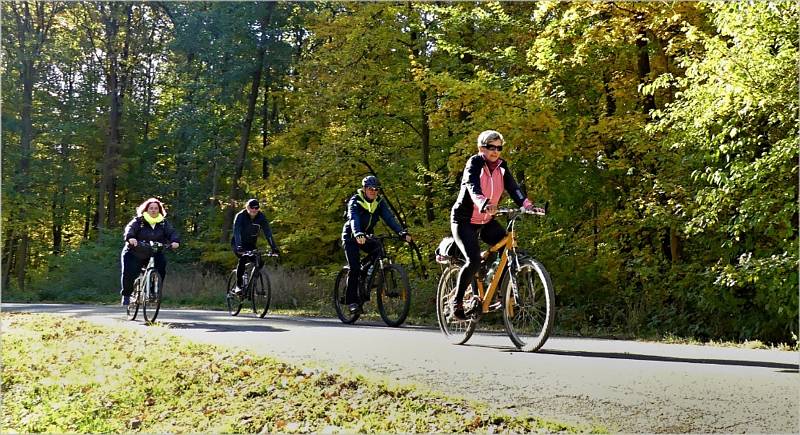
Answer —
151 297
133 307
261 294
339 298
234 302
529 312
393 293
456 331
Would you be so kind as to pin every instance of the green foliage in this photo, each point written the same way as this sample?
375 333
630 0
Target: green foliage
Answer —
663 136
89 273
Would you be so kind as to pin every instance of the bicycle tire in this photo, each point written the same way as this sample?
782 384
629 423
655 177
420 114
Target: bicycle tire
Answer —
339 298
234 302
393 293
151 296
456 331
529 315
261 294
133 306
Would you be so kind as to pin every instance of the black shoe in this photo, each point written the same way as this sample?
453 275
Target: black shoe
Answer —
458 311
354 308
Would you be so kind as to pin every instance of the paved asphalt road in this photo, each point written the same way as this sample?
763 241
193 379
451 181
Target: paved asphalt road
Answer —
622 385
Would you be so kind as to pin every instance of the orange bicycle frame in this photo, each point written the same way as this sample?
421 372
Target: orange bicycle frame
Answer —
509 242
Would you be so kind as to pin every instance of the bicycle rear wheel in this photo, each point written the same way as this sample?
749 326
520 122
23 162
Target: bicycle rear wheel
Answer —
340 298
529 310
261 294
393 292
151 296
456 331
233 301
133 307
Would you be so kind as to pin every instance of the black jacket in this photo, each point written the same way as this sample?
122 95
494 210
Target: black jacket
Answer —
471 188
245 231
139 229
362 221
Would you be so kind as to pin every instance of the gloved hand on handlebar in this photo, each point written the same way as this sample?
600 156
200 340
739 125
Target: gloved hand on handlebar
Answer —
529 207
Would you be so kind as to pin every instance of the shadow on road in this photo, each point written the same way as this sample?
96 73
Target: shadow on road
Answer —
786 368
217 327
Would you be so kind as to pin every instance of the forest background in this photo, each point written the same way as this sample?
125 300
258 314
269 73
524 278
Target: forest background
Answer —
663 136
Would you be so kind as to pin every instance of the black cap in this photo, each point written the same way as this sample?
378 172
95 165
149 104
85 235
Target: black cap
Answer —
252 203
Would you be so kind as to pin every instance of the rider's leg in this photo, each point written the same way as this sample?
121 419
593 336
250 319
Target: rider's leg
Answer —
351 252
466 237
160 261
492 232
131 265
240 268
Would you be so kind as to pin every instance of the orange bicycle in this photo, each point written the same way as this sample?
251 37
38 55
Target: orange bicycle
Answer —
527 298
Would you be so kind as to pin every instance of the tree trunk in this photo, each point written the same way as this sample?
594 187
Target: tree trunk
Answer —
265 128
426 156
21 260
674 245
87 221
244 139
643 70
110 155
9 247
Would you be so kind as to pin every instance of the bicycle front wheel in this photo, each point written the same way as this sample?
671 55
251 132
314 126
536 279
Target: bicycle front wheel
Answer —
233 301
393 292
261 294
456 331
340 298
133 307
151 297
529 310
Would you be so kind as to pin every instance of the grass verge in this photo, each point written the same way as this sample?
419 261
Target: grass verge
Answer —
68 375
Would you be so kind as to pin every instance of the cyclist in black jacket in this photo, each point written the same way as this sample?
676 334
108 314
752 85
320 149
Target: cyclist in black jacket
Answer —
246 225
363 210
148 225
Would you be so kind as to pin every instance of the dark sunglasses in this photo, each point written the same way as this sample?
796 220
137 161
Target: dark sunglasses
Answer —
373 188
252 208
493 147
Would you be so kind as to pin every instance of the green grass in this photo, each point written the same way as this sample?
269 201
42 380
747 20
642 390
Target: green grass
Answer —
68 375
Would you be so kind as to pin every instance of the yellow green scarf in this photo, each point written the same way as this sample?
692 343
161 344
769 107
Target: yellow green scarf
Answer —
152 220
369 206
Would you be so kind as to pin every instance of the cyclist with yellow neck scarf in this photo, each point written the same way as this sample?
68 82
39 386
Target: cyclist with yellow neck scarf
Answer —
148 225
364 209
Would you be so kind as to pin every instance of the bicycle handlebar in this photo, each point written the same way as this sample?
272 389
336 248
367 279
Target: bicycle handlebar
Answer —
151 244
255 252
519 211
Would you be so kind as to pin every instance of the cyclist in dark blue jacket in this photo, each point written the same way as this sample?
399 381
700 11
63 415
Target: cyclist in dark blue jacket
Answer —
363 211
246 226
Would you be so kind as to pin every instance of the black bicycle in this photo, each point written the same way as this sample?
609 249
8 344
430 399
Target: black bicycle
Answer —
388 280
256 287
147 288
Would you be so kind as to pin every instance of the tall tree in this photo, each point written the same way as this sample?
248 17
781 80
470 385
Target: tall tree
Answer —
30 36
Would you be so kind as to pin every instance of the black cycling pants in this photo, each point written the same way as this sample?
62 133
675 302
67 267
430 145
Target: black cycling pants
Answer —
243 260
351 251
132 265
466 235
